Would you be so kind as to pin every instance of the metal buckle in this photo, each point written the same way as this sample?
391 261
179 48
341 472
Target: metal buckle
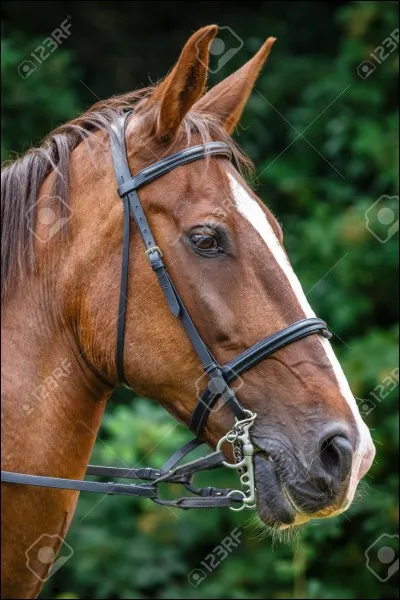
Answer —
152 250
243 450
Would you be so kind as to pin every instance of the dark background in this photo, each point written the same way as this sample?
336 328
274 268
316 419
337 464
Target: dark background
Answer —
321 186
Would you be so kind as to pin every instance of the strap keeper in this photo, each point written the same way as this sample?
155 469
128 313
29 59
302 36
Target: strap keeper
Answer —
211 367
326 333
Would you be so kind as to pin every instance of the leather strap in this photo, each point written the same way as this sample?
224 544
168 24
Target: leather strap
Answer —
205 463
128 187
261 350
198 502
145 473
209 363
123 295
121 167
211 497
171 162
153 252
79 485
249 358
178 455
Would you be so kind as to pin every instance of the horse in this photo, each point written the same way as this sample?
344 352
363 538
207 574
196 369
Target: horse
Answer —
224 257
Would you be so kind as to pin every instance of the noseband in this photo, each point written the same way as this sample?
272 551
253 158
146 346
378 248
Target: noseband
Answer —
219 376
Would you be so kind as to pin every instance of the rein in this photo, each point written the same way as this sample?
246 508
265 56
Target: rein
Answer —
220 376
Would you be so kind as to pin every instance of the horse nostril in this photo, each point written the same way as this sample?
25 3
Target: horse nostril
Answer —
330 457
336 456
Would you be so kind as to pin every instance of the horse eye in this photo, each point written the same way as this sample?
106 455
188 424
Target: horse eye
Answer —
204 242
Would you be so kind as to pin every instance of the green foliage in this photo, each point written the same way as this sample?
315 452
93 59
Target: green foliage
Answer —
38 103
320 185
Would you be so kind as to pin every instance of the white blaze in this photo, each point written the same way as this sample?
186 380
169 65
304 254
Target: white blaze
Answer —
254 214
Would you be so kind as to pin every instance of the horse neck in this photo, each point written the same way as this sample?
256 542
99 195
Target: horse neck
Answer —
51 412
51 401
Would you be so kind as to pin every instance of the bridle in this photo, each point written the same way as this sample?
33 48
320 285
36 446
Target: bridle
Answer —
219 376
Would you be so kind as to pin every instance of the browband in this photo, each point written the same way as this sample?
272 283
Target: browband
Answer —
165 165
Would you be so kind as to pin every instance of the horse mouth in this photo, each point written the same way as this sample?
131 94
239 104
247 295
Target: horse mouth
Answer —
274 505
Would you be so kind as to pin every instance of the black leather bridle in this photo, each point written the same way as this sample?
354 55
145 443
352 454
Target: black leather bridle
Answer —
220 377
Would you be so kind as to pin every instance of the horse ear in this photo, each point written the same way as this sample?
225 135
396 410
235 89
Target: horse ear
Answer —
185 83
227 100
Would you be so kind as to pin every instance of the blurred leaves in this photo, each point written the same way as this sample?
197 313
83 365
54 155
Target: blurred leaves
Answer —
35 104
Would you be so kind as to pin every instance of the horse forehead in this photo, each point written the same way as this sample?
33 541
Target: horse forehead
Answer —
253 212
212 189
202 186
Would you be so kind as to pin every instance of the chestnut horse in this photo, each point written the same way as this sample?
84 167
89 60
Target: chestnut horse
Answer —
223 249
